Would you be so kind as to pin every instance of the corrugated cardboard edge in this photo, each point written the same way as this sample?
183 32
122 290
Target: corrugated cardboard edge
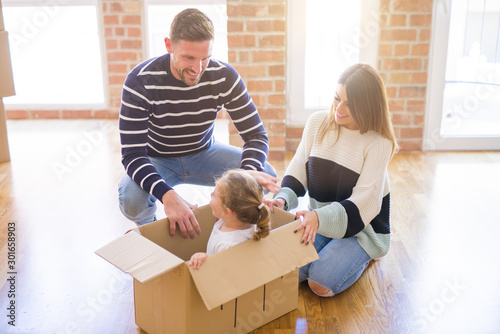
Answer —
139 257
6 78
246 266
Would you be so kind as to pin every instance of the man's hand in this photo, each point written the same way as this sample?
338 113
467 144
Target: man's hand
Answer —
265 180
180 212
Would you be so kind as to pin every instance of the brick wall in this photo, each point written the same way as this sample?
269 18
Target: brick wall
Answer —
257 49
256 40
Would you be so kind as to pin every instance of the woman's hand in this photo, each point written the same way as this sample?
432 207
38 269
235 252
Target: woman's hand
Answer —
275 202
265 180
310 224
197 260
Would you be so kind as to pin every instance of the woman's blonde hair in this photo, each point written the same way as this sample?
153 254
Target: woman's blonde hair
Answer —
368 104
241 193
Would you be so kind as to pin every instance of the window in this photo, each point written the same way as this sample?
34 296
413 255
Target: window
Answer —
56 54
160 14
324 38
464 95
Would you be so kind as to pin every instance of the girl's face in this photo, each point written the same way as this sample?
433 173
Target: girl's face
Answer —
218 209
341 108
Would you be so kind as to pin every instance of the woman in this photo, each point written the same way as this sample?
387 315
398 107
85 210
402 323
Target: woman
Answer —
342 163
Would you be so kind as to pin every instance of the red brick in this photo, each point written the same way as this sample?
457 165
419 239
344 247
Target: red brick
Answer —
276 70
410 145
251 71
385 50
276 141
276 99
268 56
121 55
291 145
402 64
413 6
396 105
279 85
413 91
420 49
277 10
118 68
131 44
116 7
76 114
401 49
236 41
399 119
272 40
266 26
111 44
257 10
111 19
134 32
424 35
272 113
415 106
119 31
45 114
398 35
420 20
116 79
276 155
16 114
398 20
131 19
259 85
276 127
294 132
234 26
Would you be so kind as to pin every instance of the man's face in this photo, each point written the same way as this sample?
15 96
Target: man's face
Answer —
188 60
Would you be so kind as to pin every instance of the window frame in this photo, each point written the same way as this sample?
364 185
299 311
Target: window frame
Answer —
102 48
297 113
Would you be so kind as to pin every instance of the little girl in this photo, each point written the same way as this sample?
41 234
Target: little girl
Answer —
237 202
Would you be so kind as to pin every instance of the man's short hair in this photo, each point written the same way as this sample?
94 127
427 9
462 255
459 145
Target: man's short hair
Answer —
191 25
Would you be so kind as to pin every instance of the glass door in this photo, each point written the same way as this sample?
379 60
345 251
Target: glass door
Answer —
464 90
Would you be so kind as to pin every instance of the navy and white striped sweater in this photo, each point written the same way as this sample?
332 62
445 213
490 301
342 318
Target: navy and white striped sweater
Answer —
347 183
163 117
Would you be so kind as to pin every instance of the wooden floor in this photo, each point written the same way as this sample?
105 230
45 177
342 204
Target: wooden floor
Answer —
442 274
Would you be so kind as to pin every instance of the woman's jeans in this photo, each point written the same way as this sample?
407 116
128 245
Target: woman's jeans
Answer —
341 262
201 168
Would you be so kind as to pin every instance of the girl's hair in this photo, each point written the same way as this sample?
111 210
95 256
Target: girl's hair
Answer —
241 193
368 104
191 25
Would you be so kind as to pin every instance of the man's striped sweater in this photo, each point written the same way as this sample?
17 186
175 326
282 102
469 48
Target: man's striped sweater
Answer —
163 117
347 182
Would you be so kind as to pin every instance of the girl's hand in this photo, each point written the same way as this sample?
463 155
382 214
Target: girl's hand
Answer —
197 260
310 224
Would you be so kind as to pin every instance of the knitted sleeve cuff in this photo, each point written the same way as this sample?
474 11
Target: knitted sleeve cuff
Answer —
332 220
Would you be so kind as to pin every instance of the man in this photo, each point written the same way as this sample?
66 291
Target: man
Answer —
169 106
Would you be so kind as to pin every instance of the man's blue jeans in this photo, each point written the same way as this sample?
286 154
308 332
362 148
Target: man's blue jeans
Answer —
200 168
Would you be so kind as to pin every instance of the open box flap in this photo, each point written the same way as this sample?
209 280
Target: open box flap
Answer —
138 256
6 79
235 271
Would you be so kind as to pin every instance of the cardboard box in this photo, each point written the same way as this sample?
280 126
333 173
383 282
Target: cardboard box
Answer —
234 291
6 87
